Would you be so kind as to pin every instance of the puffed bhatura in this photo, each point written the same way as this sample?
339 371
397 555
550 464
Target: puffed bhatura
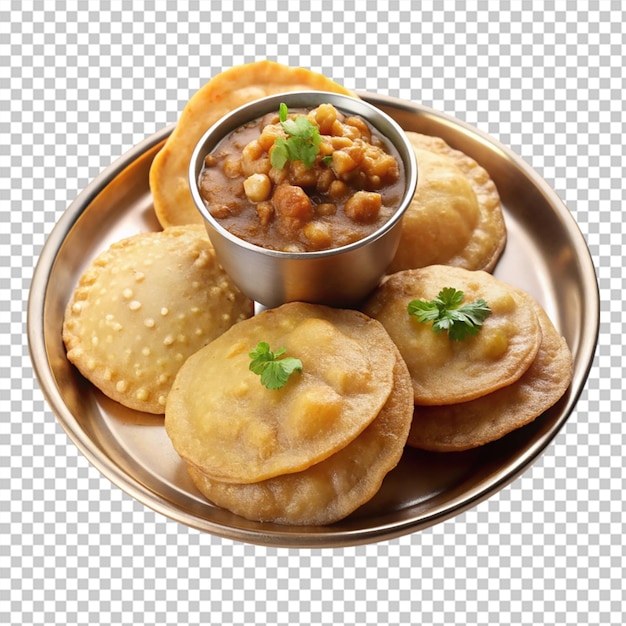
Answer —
228 90
332 489
455 217
223 421
142 307
457 427
445 371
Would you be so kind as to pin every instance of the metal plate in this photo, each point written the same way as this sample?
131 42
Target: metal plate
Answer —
545 255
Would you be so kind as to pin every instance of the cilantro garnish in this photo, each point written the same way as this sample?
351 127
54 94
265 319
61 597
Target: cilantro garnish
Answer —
274 371
301 144
447 314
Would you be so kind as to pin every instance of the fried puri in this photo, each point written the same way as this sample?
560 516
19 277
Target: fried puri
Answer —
445 371
333 488
222 94
223 421
466 425
455 217
142 307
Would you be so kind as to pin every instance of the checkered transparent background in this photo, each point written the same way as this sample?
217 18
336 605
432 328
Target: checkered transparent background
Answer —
81 85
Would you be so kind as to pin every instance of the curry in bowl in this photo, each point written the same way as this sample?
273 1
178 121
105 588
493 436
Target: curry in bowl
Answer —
302 181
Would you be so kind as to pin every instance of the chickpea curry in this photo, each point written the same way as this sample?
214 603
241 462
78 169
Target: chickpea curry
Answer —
303 181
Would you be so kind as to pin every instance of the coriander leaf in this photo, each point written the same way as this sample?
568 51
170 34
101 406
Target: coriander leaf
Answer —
274 371
277 373
301 144
280 153
450 298
260 355
283 111
296 128
424 311
447 314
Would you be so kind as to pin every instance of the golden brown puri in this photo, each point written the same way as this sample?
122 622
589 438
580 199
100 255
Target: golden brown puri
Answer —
222 94
455 217
142 307
222 420
333 488
445 371
466 425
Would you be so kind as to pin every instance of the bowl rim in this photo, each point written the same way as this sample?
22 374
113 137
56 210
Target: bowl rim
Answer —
304 98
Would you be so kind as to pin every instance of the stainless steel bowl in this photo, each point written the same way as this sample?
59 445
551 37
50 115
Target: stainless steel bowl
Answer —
337 277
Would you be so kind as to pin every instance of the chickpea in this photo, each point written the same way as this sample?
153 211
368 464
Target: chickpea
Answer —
351 132
326 147
374 182
337 129
326 208
220 211
325 116
257 187
254 160
340 142
278 176
324 180
269 135
319 234
363 206
232 168
357 151
252 151
385 167
360 125
343 162
265 211
301 175
337 189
